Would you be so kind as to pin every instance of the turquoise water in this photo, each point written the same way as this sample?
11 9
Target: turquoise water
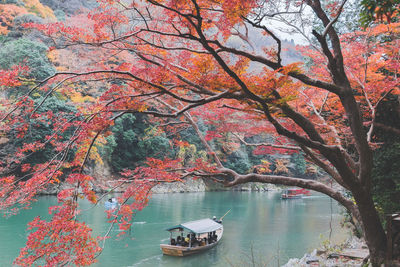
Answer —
260 227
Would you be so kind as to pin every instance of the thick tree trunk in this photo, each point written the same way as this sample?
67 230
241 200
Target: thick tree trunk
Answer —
373 230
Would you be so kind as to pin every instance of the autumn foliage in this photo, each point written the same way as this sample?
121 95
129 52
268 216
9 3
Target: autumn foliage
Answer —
183 63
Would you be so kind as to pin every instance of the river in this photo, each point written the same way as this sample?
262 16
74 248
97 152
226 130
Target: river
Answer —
260 227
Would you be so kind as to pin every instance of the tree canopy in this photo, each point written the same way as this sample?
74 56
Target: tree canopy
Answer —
186 63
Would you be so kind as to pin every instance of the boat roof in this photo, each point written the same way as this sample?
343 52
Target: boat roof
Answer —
199 226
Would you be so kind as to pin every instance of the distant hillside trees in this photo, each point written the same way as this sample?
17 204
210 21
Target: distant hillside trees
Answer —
25 51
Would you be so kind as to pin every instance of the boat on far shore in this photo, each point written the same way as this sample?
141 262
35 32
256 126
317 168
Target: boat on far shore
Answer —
295 193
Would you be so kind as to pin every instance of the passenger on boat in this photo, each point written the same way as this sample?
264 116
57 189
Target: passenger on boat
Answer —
187 240
211 237
215 219
173 243
192 239
178 240
210 240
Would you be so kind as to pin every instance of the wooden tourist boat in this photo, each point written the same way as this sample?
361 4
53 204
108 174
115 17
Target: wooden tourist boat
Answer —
201 235
293 193
111 204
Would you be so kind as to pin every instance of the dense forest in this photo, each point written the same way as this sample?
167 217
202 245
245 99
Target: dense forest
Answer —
134 138
215 96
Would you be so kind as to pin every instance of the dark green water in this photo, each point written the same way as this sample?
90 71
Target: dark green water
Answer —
259 224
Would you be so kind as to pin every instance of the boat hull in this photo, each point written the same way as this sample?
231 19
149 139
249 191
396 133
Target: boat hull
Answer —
295 193
184 251
292 197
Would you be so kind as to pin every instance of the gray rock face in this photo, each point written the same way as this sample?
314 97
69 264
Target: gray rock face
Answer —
259 187
101 171
190 185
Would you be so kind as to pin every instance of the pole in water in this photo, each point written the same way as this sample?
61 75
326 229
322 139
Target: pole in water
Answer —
220 219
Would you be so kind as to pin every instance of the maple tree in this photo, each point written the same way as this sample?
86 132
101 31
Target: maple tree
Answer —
185 61
379 9
8 13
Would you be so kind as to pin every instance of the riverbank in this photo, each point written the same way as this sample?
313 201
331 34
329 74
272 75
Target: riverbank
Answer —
189 186
200 185
353 252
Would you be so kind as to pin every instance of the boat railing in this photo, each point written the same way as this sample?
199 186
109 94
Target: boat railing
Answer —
200 240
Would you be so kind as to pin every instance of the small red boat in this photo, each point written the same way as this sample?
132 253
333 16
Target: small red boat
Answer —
293 193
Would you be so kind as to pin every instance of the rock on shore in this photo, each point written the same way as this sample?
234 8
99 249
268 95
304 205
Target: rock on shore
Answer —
333 256
190 185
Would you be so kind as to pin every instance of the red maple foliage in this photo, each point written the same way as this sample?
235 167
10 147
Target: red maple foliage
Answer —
179 62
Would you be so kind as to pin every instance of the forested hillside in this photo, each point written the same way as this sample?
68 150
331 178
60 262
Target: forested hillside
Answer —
134 138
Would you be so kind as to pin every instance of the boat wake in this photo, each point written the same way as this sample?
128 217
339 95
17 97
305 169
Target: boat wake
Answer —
139 263
139 222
